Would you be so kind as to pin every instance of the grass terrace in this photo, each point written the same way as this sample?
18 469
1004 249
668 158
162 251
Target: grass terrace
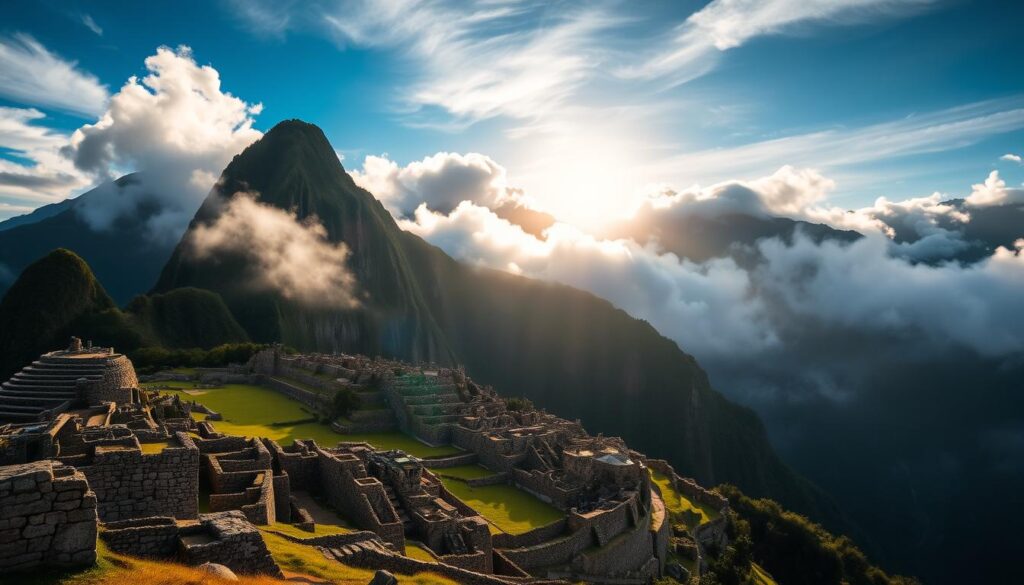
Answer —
680 507
508 509
318 530
418 551
463 472
255 411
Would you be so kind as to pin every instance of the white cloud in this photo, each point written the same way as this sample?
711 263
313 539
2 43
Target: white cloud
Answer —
90 24
722 25
46 175
267 18
861 287
1012 158
290 257
31 74
994 192
175 125
707 308
442 181
875 290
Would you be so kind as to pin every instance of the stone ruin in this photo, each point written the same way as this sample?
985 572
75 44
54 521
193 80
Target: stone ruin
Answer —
59 380
136 463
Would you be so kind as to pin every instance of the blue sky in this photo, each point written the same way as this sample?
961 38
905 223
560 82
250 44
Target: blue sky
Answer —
588 104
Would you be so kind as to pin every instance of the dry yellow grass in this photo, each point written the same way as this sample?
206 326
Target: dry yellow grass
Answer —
116 569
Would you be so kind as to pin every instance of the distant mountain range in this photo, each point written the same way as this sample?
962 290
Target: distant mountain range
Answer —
123 257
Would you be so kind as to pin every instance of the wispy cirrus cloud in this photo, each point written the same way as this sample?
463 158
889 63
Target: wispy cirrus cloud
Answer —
46 175
930 132
483 60
33 75
693 48
90 24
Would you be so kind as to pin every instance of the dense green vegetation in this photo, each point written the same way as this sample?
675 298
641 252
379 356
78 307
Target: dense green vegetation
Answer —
797 551
515 403
155 358
345 401
187 317
58 296
39 311
126 258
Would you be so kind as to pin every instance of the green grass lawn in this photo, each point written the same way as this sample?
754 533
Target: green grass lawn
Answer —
463 472
250 411
681 506
159 446
508 509
318 529
415 550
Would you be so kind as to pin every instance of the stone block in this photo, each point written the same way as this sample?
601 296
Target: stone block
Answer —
75 537
35 530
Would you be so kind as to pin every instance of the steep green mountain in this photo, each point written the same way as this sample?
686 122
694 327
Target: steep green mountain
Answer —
186 317
58 296
51 293
294 168
565 349
125 259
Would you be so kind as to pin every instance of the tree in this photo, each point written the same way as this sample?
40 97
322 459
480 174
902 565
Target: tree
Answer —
345 401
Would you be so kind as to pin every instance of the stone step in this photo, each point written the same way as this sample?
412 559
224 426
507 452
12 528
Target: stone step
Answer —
31 399
65 375
23 407
19 383
12 389
18 416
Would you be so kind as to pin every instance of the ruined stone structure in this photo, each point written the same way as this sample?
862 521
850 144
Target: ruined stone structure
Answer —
136 462
47 517
614 527
60 380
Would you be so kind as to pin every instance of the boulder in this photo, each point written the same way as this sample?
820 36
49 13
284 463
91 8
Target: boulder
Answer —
383 577
219 571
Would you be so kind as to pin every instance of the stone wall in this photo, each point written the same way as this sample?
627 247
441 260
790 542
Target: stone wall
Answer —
132 484
153 537
299 462
359 497
227 538
47 517
116 385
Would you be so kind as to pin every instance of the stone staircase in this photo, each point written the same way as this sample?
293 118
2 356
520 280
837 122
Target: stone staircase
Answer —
352 554
427 400
47 384
399 509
